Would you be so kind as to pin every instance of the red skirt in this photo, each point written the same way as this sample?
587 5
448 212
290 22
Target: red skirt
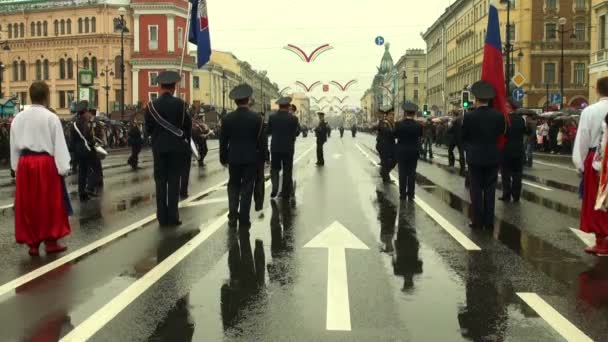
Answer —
40 210
592 221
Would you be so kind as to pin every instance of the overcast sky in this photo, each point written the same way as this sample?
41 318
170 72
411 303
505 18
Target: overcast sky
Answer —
257 31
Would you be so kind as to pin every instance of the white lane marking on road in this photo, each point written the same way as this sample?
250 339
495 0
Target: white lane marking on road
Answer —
8 206
587 238
337 156
204 202
40 271
445 224
558 322
537 186
336 239
102 316
555 165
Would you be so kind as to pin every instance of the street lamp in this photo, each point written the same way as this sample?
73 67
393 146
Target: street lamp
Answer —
562 22
120 24
508 47
224 91
107 72
404 82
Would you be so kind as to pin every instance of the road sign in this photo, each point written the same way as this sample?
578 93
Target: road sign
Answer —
518 94
556 98
518 79
379 40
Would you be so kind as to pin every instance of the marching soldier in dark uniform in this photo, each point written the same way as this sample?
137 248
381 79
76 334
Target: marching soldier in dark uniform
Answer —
454 135
240 138
184 178
135 141
385 143
83 147
200 132
170 126
513 158
284 128
480 132
353 129
408 133
321 134
263 158
341 131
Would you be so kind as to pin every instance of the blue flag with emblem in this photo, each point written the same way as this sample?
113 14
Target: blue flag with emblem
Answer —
199 31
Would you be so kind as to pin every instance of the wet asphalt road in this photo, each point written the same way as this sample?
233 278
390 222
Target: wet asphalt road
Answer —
419 273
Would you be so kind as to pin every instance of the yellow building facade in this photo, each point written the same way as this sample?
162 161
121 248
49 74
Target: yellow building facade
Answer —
598 66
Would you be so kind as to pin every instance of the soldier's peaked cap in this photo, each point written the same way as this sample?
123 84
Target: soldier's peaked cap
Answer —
386 109
241 92
81 106
168 77
409 107
483 90
284 101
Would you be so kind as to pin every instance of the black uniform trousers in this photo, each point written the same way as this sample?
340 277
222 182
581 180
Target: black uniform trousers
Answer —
84 165
320 157
282 161
387 164
167 172
452 158
512 170
240 192
134 158
185 175
95 177
407 177
258 188
483 194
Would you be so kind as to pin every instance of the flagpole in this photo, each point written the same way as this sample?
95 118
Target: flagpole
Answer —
184 45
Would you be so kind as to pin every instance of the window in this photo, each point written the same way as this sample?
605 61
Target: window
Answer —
182 82
579 4
416 94
62 26
23 71
94 65
85 63
15 71
117 67
23 97
39 29
153 96
579 73
70 95
415 79
549 72
512 32
62 69
38 70
32 29
95 97
550 31
69 26
56 27
45 28
70 68
180 37
45 70
22 30
552 4
93 24
601 32
79 25
196 82
62 99
579 31
153 79
415 64
10 31
86 25
153 37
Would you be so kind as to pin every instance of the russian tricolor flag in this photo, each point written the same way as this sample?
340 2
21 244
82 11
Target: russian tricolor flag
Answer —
492 70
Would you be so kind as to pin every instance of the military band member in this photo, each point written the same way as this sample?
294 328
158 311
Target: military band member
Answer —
284 128
263 158
170 127
385 143
239 149
408 133
513 158
321 134
480 132
83 145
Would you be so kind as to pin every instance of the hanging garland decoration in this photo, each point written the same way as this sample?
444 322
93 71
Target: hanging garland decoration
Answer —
345 87
313 55
284 90
307 88
319 100
340 100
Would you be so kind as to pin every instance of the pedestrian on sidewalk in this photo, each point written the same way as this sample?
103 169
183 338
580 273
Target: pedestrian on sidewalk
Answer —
284 128
321 134
40 158
428 132
586 160
385 143
408 133
531 138
239 149
481 129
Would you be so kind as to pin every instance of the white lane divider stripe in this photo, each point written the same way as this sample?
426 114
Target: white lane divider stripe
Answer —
536 186
40 271
204 202
587 238
555 165
445 224
101 317
558 322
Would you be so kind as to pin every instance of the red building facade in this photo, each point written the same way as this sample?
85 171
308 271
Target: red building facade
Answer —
158 42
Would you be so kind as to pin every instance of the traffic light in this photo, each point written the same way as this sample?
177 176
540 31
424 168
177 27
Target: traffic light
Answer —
466 95
425 110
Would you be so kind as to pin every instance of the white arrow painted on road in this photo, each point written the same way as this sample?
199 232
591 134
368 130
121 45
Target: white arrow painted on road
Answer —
336 238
